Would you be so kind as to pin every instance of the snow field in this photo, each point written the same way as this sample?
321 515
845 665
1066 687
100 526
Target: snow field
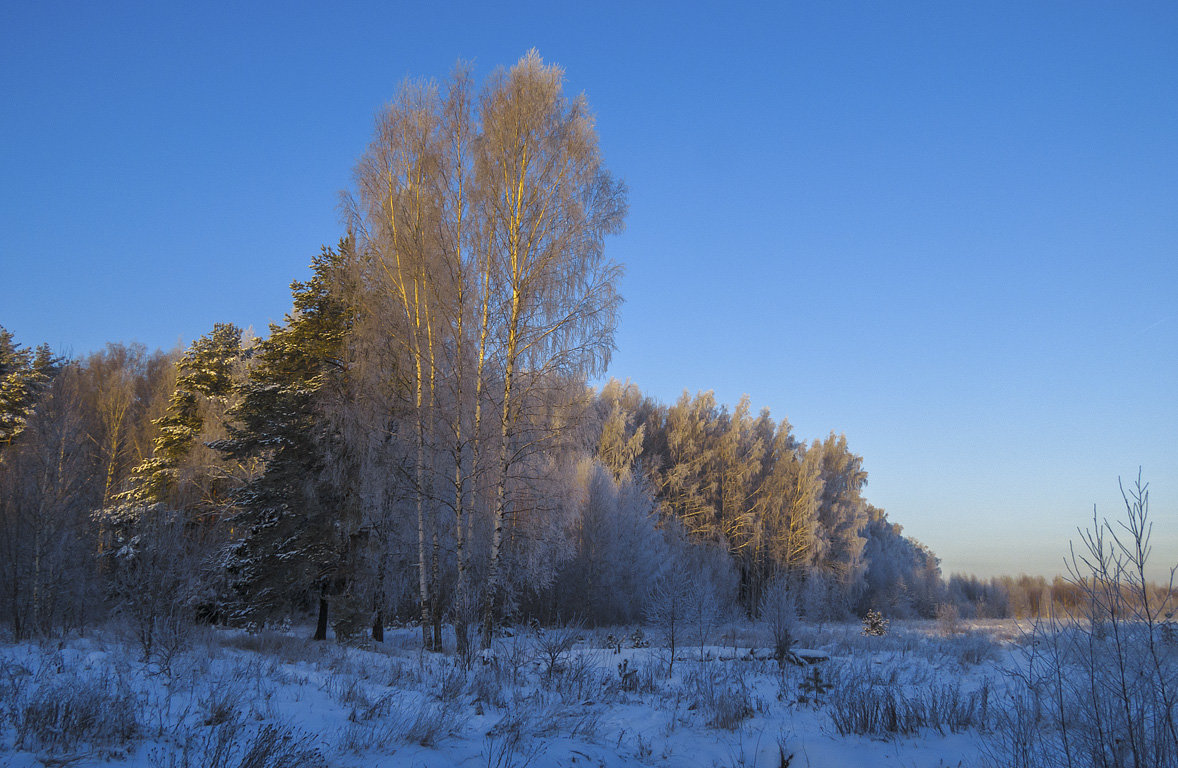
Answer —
561 697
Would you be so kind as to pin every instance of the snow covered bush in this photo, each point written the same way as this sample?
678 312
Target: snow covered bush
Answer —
554 645
969 649
874 624
948 619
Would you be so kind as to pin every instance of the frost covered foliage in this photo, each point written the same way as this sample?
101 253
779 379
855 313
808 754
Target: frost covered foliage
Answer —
617 549
549 696
1100 687
779 612
903 576
688 597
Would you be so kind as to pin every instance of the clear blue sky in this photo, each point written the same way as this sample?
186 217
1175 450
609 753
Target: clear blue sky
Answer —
949 230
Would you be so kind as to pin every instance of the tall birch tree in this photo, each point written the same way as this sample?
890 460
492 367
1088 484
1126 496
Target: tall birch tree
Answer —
550 203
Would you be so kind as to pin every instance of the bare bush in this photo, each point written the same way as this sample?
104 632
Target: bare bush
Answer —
278 746
721 693
555 644
866 704
510 744
154 582
970 648
60 712
948 619
779 612
400 719
1099 686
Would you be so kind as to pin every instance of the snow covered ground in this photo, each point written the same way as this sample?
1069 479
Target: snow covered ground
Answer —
913 698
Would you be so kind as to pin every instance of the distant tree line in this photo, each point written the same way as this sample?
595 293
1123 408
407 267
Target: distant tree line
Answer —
417 440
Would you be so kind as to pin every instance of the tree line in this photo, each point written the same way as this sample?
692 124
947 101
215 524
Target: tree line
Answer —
417 440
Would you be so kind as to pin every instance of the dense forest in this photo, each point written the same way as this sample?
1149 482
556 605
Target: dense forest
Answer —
418 440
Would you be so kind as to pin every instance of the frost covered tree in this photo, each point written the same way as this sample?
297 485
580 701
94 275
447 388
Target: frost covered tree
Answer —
683 477
842 514
550 202
481 225
740 458
398 211
789 498
623 413
902 576
618 548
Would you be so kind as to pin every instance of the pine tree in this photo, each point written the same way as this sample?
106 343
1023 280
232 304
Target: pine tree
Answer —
180 472
297 527
24 375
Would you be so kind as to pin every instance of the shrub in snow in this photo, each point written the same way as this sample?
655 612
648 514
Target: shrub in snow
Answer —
721 694
510 744
1100 686
154 581
400 719
59 712
948 619
277 746
578 680
813 687
555 644
779 612
970 649
874 624
864 703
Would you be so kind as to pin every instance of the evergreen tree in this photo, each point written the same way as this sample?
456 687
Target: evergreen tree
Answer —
297 527
182 473
24 375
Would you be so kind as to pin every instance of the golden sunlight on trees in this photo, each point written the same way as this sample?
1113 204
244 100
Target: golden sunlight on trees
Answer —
480 224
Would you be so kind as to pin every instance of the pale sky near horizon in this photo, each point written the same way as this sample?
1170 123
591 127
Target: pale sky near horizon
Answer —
947 230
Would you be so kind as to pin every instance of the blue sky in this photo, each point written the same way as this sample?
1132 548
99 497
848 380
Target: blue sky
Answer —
948 230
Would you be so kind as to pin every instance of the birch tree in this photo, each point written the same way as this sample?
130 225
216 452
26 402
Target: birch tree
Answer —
399 214
549 205
481 224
